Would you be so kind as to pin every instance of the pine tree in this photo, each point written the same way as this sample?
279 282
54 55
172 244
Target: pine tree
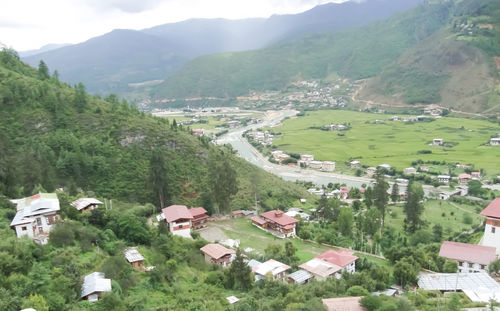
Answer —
395 193
240 272
158 177
80 97
380 195
413 207
222 180
43 70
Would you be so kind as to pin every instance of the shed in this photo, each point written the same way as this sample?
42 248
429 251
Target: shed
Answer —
300 277
94 285
134 258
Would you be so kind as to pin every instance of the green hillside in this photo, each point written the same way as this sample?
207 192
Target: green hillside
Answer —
53 135
423 55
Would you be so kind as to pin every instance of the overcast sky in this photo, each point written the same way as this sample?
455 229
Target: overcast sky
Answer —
29 24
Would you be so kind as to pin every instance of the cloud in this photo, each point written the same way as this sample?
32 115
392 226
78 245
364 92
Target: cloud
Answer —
127 6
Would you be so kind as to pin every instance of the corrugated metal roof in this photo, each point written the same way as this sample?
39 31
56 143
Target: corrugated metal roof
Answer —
176 212
457 281
273 266
217 251
300 276
253 263
95 282
133 255
84 202
42 203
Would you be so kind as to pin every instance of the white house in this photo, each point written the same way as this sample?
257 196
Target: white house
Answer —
355 164
495 141
444 178
470 257
385 165
307 158
94 285
491 235
315 164
437 142
271 268
410 171
371 171
35 216
328 166
331 263
179 220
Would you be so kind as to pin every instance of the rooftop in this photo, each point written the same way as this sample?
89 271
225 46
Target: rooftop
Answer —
468 252
176 212
493 209
133 255
320 267
84 202
341 257
279 217
343 304
197 211
458 281
42 203
216 251
95 282
300 276
273 266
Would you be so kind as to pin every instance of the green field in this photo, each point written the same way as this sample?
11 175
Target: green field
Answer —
395 143
448 214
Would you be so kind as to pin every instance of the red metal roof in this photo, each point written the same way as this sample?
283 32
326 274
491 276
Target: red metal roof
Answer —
468 252
176 212
464 176
216 251
341 258
279 217
258 220
492 210
198 212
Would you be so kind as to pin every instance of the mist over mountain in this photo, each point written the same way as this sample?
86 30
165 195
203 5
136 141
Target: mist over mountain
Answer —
110 62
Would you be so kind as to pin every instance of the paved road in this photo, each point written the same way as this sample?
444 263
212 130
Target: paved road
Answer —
252 155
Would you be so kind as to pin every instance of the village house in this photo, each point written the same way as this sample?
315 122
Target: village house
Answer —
179 220
134 258
495 141
86 204
491 235
199 217
299 277
294 212
276 154
272 269
410 171
94 285
437 142
282 157
198 132
344 193
276 222
315 164
307 158
343 304
371 171
444 178
35 216
424 168
233 124
470 257
218 254
331 263
464 178
385 166
355 164
328 166
475 175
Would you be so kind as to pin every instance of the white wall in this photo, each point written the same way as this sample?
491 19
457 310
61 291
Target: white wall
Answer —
492 239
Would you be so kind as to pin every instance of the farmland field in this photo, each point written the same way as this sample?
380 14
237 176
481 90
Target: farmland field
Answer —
392 142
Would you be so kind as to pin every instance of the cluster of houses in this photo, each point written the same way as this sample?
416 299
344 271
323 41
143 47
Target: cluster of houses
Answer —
307 160
408 119
335 127
341 194
262 137
495 141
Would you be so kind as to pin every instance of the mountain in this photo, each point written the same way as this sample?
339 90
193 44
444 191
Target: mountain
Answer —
403 53
53 135
111 62
45 48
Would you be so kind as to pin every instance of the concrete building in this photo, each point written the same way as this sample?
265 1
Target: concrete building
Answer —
470 257
328 166
218 254
179 220
491 235
94 285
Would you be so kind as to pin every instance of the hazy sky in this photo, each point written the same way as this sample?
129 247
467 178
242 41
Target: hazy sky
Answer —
29 24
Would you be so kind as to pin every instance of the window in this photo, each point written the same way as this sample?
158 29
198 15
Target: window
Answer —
460 263
492 229
483 267
470 265
23 228
38 221
180 226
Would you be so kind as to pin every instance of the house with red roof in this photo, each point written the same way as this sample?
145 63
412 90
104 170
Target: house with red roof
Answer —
470 257
331 263
491 235
218 254
464 178
200 217
276 222
178 219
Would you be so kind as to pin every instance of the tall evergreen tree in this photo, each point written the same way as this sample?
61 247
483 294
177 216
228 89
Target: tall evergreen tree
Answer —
222 180
158 177
43 70
414 207
380 195
80 97
395 193
240 273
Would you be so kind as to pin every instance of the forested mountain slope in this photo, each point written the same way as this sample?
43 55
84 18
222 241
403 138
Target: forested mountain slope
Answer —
109 63
53 135
439 51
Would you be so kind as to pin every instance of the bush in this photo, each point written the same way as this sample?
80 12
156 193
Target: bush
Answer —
468 219
357 291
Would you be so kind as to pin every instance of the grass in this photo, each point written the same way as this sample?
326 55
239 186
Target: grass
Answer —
433 214
251 236
395 143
